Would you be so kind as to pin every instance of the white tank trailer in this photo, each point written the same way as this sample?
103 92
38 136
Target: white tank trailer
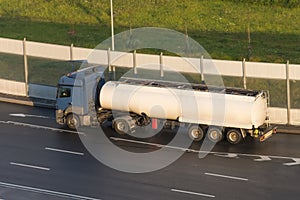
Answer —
85 98
218 112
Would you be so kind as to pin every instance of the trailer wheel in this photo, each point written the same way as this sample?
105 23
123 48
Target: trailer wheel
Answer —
121 126
196 133
72 121
234 136
214 134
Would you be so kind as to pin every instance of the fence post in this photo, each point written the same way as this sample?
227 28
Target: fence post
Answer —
244 74
201 70
71 52
288 97
134 63
25 66
108 60
109 63
161 65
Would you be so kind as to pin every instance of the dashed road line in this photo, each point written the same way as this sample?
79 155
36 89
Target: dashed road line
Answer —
226 176
64 151
30 166
28 115
193 193
40 127
46 192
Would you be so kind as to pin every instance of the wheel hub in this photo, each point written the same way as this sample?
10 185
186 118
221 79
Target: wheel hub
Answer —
195 133
233 136
121 126
214 135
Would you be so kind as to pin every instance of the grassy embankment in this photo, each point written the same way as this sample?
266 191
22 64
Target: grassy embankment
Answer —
220 26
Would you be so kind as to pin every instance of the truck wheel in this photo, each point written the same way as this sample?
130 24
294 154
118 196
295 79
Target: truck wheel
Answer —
214 134
196 133
234 136
121 126
72 121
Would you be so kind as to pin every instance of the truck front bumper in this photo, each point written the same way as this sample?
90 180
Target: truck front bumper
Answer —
59 116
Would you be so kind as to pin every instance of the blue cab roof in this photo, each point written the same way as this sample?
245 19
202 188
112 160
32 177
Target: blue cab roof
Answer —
77 78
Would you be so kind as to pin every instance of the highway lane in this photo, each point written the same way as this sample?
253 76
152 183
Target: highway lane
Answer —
71 174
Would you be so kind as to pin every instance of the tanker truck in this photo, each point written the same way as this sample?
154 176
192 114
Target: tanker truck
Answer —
87 98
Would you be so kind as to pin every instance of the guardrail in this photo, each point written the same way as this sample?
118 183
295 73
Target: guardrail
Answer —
34 90
201 65
12 87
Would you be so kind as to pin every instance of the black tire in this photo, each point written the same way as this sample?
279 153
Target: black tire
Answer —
214 134
121 126
196 133
72 121
234 136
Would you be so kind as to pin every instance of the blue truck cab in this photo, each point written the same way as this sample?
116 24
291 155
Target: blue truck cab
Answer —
77 97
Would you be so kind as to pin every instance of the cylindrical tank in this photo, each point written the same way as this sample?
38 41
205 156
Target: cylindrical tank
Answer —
185 105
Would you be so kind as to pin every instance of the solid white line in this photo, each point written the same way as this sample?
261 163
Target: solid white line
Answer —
47 192
153 144
29 166
64 151
40 127
197 151
193 193
225 176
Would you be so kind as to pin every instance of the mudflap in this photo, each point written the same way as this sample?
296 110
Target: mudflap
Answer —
267 133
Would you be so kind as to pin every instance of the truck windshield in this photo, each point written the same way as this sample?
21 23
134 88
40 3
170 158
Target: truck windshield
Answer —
64 92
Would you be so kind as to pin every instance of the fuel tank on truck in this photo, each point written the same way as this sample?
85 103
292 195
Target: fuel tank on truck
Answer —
186 105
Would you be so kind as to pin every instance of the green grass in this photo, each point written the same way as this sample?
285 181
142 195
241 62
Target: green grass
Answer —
220 26
12 67
295 91
40 71
283 3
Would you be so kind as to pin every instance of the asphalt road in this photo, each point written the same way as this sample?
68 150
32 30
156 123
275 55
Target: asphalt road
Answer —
39 160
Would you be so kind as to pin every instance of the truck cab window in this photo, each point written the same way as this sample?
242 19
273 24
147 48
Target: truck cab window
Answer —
64 92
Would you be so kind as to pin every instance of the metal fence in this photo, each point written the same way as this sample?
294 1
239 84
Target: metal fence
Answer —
288 74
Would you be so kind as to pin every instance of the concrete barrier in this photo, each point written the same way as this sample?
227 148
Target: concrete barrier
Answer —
12 87
278 115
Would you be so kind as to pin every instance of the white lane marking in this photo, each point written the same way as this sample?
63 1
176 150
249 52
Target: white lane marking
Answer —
297 160
40 127
64 151
193 193
263 158
29 166
225 176
153 144
46 192
27 115
227 155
